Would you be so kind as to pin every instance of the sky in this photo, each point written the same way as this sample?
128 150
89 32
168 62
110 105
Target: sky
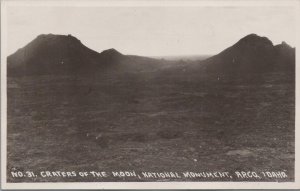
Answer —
152 31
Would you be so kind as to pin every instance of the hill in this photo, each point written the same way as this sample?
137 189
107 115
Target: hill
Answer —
61 54
252 53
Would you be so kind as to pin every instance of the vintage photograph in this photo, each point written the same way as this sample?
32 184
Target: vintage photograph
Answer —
100 92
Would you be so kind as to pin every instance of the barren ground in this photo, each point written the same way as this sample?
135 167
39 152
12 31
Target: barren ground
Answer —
150 123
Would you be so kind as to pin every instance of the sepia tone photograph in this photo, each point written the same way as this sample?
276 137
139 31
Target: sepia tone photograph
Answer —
148 92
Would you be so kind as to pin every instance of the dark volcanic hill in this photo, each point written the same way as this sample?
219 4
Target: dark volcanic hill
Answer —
253 54
51 54
61 54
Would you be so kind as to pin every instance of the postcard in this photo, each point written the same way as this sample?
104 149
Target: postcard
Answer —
149 94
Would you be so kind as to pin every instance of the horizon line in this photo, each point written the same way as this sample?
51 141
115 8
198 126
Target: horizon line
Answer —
151 56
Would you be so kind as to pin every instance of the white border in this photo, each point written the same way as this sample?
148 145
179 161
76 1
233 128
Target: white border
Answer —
143 185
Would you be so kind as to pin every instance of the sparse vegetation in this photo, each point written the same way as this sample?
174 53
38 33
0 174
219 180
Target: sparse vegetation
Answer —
52 126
